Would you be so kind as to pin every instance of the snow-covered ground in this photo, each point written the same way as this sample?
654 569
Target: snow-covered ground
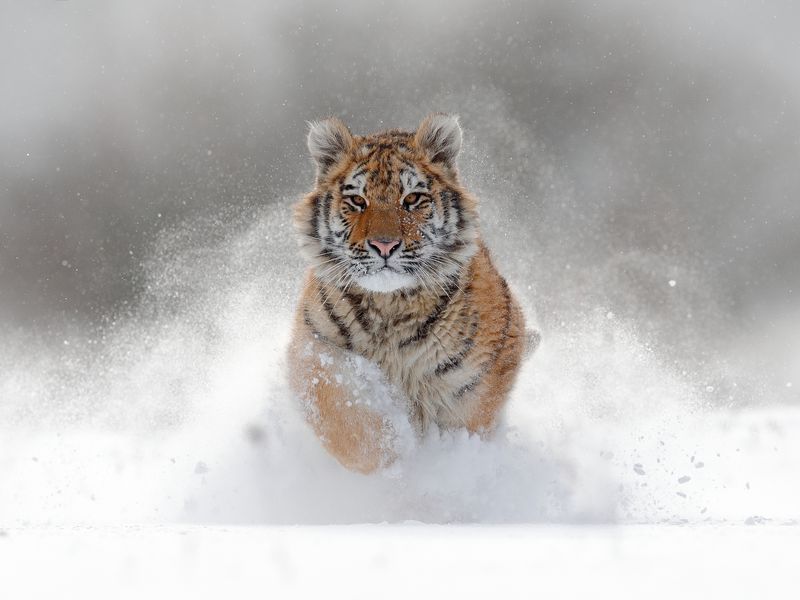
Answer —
402 561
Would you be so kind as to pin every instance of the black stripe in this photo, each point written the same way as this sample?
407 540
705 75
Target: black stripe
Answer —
403 320
456 200
453 362
326 253
337 321
485 367
321 206
424 330
315 217
453 246
314 331
359 312
326 210
470 385
451 199
507 298
408 163
327 202
444 198
501 342
427 235
407 293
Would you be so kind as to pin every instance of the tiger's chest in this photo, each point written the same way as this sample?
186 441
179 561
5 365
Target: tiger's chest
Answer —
427 354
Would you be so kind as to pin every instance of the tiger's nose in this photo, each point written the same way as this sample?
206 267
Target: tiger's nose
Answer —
384 247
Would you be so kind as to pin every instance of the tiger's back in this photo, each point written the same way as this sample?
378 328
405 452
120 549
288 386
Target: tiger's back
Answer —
400 278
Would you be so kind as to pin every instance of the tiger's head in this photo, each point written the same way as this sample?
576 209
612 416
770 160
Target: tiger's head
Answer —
387 211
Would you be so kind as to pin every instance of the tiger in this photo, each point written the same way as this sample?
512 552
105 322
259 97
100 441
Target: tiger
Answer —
402 288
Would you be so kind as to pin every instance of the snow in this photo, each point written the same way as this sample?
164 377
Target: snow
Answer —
403 561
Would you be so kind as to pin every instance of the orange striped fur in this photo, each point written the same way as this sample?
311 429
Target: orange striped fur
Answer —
401 290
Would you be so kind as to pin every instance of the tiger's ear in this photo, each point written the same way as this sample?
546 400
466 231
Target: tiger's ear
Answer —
328 140
439 135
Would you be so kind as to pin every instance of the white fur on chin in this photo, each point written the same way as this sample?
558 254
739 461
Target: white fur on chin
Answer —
386 281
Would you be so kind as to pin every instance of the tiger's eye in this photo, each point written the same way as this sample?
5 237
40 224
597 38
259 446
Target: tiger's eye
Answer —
356 201
412 201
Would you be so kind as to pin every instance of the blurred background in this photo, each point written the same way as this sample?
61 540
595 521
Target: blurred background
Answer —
637 163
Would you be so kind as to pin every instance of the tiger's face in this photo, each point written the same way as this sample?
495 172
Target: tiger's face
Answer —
387 211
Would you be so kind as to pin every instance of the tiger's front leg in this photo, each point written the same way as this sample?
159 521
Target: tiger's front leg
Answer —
345 400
